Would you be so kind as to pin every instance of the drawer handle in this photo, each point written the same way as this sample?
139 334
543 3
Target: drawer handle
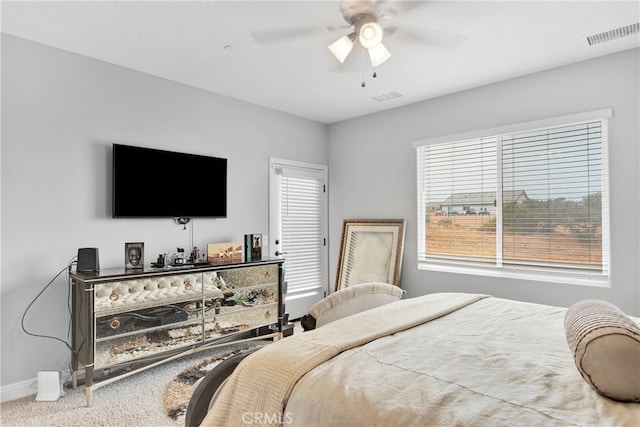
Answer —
267 314
267 273
188 334
188 286
115 351
189 309
115 323
114 295
217 327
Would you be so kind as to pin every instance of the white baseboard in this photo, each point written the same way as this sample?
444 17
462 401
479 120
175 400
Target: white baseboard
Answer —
25 388
17 390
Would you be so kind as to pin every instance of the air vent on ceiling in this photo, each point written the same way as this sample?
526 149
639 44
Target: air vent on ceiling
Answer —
388 96
617 33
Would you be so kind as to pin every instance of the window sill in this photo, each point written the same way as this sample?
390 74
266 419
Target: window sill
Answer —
571 279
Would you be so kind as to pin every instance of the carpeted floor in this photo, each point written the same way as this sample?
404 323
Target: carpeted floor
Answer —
178 393
136 401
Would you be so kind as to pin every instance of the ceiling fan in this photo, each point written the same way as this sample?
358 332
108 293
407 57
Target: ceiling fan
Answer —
367 25
364 17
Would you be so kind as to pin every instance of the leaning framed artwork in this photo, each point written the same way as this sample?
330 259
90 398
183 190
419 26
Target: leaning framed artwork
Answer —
370 251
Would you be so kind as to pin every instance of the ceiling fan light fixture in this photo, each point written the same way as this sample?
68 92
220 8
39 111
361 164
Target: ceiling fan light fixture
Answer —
341 48
378 54
370 35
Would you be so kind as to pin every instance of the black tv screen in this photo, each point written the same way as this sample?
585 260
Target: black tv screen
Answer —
158 183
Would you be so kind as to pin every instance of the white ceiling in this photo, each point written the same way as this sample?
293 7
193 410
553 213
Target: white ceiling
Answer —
456 45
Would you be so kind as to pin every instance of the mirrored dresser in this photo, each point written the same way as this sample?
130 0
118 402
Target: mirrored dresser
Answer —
126 321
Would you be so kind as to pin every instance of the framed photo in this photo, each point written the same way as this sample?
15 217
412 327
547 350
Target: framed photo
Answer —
252 247
224 253
370 251
133 255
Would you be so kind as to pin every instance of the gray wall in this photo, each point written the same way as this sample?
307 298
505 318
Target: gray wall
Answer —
373 169
60 114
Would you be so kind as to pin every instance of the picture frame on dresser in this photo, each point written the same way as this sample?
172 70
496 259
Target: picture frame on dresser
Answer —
134 255
252 247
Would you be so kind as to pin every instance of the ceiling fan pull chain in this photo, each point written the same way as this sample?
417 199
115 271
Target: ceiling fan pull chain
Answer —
363 62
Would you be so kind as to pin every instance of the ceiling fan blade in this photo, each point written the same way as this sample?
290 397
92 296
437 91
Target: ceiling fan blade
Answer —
438 38
386 9
275 36
408 6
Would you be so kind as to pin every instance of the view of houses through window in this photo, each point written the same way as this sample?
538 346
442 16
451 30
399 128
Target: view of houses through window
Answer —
534 199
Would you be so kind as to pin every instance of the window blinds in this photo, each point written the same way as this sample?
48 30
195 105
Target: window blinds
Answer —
456 176
534 199
557 222
302 234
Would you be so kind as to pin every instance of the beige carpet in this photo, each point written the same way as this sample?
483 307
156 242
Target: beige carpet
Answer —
179 391
136 401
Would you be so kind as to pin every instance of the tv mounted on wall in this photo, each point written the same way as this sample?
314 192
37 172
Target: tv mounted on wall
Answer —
157 183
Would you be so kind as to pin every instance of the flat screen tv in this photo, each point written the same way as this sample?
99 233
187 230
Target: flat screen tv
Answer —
157 183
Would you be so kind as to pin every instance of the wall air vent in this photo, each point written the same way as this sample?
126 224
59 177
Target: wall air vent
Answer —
388 96
617 33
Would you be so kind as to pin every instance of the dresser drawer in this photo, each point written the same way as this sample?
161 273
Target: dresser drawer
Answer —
240 320
124 349
153 317
117 297
248 276
242 298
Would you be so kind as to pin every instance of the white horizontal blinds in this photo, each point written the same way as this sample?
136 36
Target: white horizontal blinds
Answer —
457 178
302 229
552 198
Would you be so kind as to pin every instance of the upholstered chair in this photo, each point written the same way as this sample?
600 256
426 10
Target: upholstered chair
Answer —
348 301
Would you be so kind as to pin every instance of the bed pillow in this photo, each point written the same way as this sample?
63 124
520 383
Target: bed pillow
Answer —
606 348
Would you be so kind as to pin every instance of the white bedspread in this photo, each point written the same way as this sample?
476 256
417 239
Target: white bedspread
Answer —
257 391
492 363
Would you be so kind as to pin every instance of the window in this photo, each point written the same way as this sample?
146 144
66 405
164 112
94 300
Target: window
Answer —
527 199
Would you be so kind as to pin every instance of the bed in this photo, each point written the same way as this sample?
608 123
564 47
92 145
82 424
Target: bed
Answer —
441 359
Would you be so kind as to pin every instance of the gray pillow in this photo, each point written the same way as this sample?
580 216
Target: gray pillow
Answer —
606 348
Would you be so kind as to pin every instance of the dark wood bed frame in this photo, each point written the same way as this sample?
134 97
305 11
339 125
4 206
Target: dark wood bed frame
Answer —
210 383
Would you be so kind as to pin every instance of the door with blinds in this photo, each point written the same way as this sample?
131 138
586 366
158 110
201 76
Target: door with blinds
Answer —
298 230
